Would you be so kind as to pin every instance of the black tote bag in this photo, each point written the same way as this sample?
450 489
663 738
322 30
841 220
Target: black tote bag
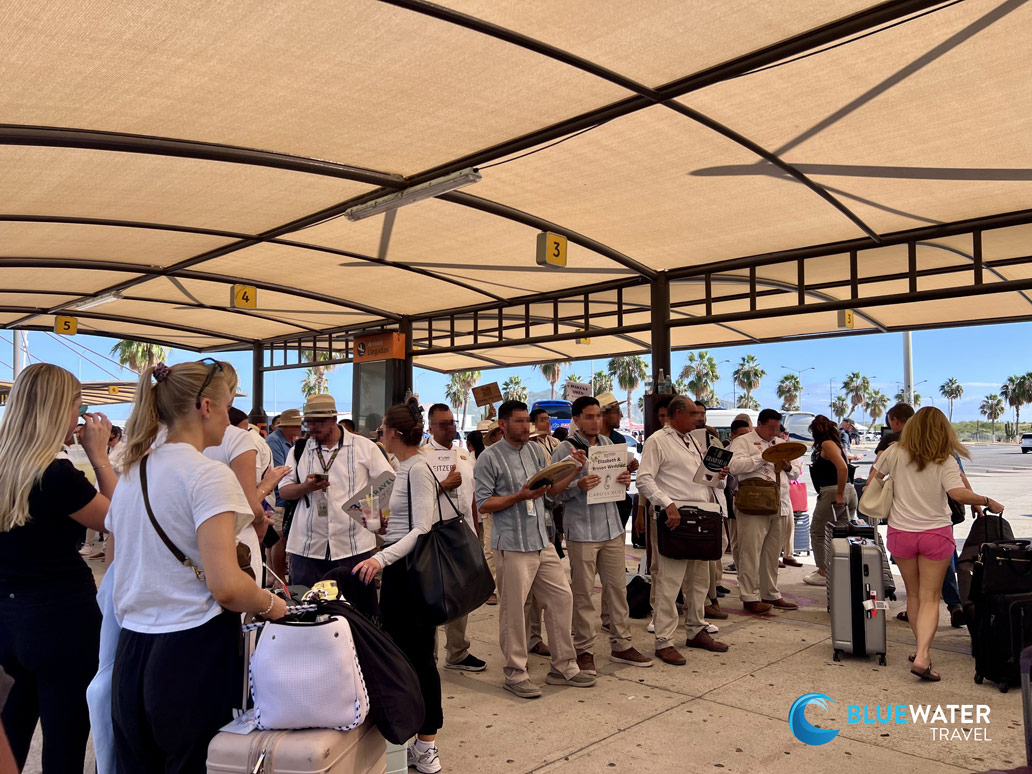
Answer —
447 571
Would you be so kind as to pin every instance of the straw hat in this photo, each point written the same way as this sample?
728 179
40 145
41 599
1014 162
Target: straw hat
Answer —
290 418
320 406
606 399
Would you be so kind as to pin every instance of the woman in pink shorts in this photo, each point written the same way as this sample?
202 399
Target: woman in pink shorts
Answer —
924 471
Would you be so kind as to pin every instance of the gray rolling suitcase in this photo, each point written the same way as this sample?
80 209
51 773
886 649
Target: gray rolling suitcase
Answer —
856 593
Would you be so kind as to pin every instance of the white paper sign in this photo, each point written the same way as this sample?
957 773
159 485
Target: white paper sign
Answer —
608 462
576 390
441 461
379 488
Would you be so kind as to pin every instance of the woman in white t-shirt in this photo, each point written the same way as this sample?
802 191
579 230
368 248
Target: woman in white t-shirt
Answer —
177 672
924 470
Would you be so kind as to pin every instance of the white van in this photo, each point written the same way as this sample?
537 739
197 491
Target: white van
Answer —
721 419
798 425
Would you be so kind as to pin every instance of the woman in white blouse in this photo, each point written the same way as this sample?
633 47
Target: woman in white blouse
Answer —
924 470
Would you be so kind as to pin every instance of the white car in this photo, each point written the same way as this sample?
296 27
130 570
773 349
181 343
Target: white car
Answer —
1026 443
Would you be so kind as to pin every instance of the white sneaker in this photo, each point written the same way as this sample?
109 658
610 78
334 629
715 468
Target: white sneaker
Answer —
815 579
86 550
711 628
652 626
426 762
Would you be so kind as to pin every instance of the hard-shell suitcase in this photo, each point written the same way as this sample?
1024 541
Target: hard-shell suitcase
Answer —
311 751
856 593
801 537
1002 629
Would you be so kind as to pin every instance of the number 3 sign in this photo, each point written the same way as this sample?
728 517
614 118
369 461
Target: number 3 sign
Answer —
551 249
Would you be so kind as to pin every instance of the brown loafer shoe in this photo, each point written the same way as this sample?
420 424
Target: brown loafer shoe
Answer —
782 604
630 656
793 562
672 656
714 611
757 608
586 663
706 642
781 564
492 600
541 650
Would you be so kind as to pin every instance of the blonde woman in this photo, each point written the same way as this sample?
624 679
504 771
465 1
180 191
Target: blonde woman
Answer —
177 669
49 619
924 471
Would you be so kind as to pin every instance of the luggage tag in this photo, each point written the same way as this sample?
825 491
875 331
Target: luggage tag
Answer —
875 604
242 724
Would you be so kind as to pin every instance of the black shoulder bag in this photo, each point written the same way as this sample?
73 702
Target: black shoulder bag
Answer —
448 575
242 551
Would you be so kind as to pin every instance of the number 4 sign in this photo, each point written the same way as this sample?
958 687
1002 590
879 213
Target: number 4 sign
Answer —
244 297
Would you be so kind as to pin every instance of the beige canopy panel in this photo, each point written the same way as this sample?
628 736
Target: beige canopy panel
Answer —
723 173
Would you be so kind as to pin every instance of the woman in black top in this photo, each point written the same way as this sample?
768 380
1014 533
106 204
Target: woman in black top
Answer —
49 619
836 499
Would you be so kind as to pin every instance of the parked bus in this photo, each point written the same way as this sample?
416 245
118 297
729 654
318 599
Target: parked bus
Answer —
559 411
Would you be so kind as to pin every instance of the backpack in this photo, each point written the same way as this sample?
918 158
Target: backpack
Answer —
395 698
291 505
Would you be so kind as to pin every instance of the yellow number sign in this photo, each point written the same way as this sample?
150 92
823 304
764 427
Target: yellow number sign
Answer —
66 326
112 389
551 249
244 297
845 318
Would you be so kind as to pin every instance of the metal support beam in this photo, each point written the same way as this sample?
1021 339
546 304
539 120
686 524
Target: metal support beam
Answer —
405 327
660 331
257 377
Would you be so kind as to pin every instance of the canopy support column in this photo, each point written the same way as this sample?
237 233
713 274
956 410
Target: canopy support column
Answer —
660 332
407 386
257 377
908 368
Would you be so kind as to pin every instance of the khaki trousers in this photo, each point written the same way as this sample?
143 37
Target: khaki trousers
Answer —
521 574
669 578
759 545
716 571
788 525
485 540
607 559
456 642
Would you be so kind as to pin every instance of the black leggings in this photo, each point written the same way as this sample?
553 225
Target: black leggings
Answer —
170 694
49 643
415 639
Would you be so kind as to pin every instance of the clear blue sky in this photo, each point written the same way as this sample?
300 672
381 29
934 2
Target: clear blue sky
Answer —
981 358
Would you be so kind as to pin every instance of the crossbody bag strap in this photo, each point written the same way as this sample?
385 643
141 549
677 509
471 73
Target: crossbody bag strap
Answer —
182 558
446 497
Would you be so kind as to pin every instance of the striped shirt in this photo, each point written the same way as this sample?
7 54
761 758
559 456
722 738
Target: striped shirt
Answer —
501 471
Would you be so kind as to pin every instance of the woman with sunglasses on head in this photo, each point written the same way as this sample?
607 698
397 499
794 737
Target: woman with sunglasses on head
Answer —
49 619
177 672
414 503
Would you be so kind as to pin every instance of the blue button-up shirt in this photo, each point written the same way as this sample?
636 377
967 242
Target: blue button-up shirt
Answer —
501 471
583 523
280 449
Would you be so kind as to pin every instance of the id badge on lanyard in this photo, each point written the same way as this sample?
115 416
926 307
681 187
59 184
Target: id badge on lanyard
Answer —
532 509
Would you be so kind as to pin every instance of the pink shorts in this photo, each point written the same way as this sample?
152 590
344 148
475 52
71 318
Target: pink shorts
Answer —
935 544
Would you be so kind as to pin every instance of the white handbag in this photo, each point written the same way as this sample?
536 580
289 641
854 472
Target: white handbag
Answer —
876 501
306 675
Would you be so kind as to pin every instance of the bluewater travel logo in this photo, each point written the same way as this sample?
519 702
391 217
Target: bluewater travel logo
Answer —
804 731
946 722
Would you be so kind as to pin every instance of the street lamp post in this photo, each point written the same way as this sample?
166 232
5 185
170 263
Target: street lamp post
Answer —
797 372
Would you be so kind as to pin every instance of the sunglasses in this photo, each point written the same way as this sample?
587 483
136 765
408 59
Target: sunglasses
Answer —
83 409
216 366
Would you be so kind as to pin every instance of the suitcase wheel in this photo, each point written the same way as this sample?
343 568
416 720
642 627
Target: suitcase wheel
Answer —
978 679
1004 687
881 659
837 655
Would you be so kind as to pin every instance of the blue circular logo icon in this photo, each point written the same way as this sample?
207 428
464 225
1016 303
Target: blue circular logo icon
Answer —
802 728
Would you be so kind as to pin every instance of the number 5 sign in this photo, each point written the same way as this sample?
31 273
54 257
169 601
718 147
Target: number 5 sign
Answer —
66 326
551 249
244 297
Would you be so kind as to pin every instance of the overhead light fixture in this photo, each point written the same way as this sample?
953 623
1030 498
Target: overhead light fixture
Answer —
89 303
416 193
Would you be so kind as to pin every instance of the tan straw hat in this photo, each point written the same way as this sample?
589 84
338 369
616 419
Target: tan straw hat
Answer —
606 399
320 406
290 418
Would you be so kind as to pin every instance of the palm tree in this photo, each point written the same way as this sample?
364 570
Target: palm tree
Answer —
317 380
951 390
748 402
459 385
1016 392
681 387
876 404
628 372
602 382
992 408
840 407
747 375
553 372
139 356
856 388
789 389
514 389
901 397
700 374
570 378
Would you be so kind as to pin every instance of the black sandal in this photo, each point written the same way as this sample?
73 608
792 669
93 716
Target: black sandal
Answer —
926 674
911 657
903 617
